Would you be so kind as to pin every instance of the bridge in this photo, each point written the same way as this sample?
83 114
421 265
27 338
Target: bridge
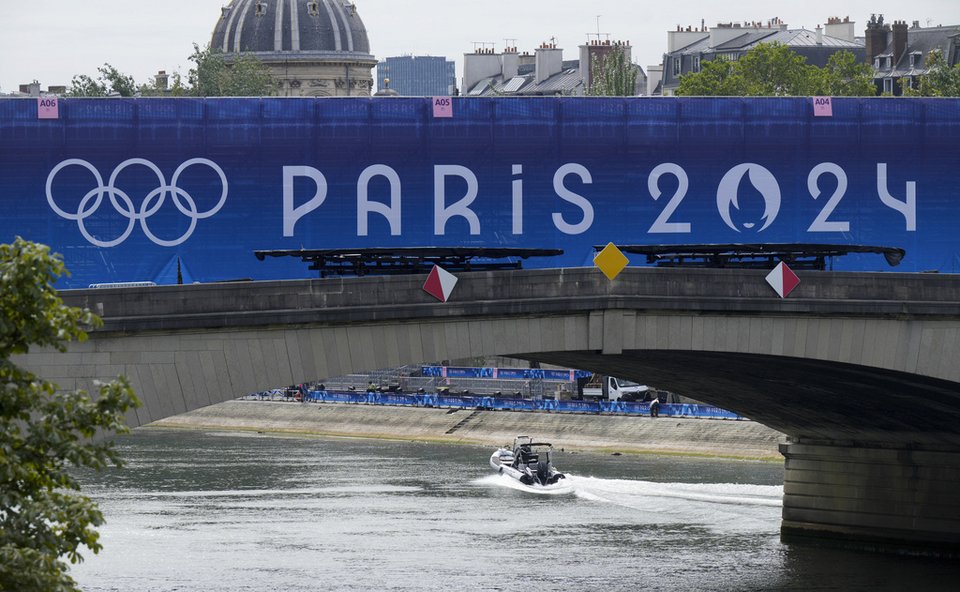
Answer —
858 369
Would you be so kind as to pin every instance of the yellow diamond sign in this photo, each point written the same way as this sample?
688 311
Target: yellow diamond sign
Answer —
611 261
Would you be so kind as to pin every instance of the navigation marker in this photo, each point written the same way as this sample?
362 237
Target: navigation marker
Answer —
440 283
783 280
611 261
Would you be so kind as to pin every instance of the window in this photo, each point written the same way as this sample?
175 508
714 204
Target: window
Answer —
696 63
888 85
677 65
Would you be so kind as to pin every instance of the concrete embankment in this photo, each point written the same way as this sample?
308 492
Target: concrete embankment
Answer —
572 432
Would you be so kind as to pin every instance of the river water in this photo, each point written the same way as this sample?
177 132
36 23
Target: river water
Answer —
210 512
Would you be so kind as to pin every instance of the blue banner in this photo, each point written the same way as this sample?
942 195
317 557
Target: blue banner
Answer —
504 373
511 404
152 189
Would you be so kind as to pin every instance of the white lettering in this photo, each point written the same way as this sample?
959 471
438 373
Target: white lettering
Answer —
569 196
822 223
661 224
517 200
442 212
907 207
292 214
365 206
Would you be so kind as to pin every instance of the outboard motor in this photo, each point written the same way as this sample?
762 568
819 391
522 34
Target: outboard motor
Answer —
543 472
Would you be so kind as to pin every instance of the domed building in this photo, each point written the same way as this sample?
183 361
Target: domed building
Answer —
313 48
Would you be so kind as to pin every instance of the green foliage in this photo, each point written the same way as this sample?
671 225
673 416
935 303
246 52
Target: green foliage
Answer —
940 80
716 78
844 76
774 70
110 81
613 75
43 517
213 77
176 88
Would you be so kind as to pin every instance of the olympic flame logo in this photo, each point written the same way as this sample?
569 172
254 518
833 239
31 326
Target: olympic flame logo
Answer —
124 205
764 182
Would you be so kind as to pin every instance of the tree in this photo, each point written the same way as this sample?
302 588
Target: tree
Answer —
844 76
212 76
774 70
110 82
716 78
43 516
613 75
941 80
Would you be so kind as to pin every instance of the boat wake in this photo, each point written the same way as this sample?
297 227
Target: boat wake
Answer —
638 494
727 507
562 487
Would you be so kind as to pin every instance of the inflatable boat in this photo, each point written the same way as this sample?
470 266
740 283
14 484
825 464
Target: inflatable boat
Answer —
529 462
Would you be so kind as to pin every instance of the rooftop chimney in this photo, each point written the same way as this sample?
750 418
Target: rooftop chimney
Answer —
819 35
679 39
510 61
549 61
162 80
876 38
479 65
840 29
899 40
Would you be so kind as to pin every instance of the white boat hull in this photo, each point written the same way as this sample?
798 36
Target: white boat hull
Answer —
502 462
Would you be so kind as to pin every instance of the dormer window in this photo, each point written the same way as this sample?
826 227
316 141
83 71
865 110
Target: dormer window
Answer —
915 61
313 8
876 63
677 65
696 63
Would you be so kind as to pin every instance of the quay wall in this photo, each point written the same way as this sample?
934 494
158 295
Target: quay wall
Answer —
572 432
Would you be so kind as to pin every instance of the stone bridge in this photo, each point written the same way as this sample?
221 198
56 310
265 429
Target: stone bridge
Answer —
860 370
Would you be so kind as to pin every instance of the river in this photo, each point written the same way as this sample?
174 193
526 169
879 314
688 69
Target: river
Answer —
208 511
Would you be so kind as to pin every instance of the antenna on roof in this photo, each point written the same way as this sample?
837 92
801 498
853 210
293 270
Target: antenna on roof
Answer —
483 47
598 34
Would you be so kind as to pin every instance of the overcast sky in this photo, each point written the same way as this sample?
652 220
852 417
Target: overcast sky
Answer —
52 41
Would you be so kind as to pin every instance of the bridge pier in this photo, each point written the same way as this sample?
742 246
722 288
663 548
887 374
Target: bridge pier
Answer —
877 499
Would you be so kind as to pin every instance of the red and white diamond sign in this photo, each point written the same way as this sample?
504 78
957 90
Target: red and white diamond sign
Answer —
440 283
783 280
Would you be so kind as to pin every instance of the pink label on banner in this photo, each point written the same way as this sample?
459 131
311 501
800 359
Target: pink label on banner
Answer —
822 107
48 108
442 107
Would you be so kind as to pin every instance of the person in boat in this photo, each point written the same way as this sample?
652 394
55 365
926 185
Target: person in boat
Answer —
522 456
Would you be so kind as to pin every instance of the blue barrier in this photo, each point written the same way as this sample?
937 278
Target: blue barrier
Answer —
512 404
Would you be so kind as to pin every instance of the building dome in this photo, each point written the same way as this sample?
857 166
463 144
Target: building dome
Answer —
312 47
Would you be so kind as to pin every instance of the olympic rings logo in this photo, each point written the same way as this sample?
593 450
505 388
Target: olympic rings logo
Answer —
124 206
